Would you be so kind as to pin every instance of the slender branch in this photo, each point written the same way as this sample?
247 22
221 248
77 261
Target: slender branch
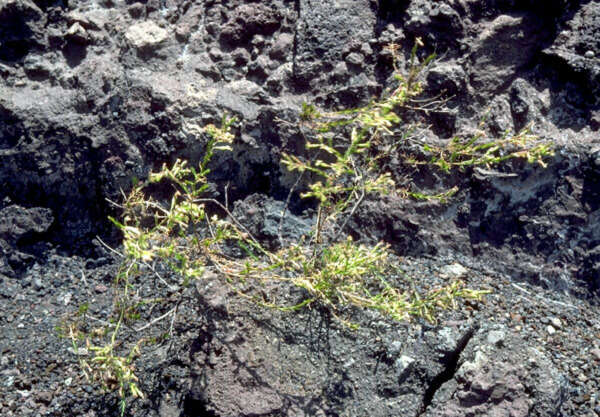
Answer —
544 299
289 196
354 208
156 320
114 251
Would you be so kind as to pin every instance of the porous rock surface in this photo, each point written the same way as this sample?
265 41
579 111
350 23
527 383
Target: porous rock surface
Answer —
95 93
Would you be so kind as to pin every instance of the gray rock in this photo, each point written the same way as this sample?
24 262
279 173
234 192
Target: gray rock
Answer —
403 365
22 29
435 22
77 33
556 322
278 79
282 47
203 64
36 65
355 59
261 216
496 337
249 20
318 46
17 222
136 10
447 77
454 270
495 379
340 72
504 45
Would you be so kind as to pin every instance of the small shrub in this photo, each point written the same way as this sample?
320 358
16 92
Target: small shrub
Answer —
175 241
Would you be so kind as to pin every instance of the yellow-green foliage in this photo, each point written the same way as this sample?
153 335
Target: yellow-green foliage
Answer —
332 269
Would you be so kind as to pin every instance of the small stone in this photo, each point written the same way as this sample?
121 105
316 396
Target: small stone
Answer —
516 317
403 363
582 377
100 288
340 72
146 35
282 47
44 397
136 10
215 54
455 270
394 348
38 284
241 56
34 64
68 381
496 337
366 49
551 330
77 33
595 354
258 41
590 54
555 321
277 79
355 59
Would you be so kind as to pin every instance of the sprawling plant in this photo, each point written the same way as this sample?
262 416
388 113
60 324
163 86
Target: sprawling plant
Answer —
175 240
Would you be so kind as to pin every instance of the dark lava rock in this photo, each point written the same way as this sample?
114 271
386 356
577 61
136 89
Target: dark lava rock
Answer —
262 217
22 29
17 222
498 374
248 20
19 228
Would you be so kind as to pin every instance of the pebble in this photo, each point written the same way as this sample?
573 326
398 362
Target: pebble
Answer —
38 284
496 337
44 396
596 353
395 348
555 321
402 364
100 288
550 330
455 270
590 54
355 59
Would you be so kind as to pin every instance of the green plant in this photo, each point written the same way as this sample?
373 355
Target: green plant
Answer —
345 165
152 231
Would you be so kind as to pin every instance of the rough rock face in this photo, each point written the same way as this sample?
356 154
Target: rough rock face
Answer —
413 370
19 225
104 88
499 376
96 93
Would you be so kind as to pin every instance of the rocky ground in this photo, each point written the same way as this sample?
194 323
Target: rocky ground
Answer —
95 93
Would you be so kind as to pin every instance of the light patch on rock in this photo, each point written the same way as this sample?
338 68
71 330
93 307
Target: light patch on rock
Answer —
496 337
146 35
454 270
403 363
